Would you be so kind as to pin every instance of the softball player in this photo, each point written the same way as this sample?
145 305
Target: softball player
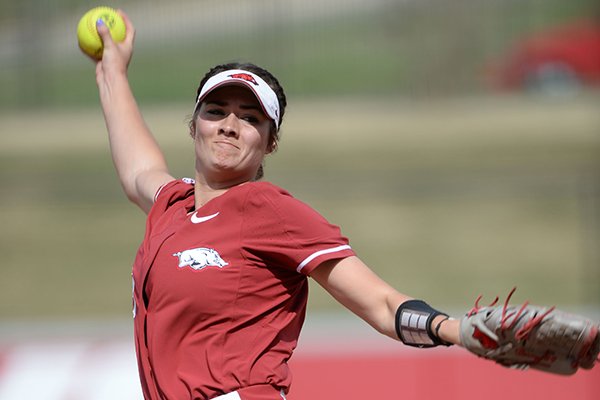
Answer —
220 279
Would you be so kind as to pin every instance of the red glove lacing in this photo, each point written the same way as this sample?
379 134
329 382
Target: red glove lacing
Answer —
526 329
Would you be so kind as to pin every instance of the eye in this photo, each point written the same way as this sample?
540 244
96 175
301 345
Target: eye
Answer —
250 118
215 111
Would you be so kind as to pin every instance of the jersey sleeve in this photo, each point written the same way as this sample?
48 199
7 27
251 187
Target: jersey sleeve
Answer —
283 231
169 194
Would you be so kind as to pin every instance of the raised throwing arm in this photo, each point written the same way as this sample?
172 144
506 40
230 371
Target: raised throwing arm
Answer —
140 164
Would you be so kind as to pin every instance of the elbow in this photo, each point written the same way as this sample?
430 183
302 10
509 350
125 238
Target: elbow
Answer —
131 192
132 196
135 198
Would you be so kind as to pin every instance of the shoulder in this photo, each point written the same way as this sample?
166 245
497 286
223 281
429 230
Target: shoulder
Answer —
172 192
267 189
269 201
267 195
287 231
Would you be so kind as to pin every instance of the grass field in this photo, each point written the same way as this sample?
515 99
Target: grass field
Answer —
444 199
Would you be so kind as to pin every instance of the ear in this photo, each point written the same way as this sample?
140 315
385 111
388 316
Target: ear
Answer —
192 124
271 146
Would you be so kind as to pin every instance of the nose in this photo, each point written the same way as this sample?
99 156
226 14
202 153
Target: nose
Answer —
230 126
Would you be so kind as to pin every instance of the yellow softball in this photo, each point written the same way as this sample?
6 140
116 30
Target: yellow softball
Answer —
87 35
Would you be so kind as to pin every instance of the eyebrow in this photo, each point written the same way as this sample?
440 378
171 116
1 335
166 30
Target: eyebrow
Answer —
242 106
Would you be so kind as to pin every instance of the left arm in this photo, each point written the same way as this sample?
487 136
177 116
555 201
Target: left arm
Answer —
523 336
352 283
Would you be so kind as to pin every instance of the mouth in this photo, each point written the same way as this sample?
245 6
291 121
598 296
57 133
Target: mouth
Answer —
226 143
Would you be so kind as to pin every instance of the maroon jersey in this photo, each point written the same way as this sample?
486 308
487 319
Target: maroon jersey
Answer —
220 293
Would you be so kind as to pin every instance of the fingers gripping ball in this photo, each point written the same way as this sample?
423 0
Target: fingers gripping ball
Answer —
87 34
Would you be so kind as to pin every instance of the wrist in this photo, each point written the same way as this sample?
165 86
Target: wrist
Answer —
417 323
114 88
447 329
116 79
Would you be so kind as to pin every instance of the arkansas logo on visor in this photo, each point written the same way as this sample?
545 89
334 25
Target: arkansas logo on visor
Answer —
246 77
263 92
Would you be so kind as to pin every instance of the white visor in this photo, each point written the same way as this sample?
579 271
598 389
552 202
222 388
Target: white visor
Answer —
263 92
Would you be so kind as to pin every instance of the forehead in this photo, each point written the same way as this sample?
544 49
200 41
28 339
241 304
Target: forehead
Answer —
232 94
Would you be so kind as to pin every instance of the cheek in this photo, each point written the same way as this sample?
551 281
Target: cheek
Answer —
252 136
262 145
203 129
264 134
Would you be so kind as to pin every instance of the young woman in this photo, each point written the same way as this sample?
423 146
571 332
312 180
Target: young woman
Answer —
220 280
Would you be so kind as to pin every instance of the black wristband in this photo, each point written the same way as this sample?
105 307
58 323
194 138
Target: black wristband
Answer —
413 324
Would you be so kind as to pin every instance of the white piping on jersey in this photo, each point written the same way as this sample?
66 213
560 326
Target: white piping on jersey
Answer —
236 396
159 190
228 396
320 253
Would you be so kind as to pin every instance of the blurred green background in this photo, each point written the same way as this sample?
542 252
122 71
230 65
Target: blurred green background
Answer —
445 188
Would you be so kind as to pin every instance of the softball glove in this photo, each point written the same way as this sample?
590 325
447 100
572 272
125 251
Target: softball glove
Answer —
528 336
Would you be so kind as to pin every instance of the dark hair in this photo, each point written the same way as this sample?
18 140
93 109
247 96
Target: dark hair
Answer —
267 77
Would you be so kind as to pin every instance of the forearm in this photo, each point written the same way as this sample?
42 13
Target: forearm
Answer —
383 319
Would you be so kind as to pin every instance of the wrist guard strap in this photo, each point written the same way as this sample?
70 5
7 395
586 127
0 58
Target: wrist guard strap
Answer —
413 324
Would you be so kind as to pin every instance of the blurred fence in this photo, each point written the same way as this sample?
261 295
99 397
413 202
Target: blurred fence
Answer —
334 47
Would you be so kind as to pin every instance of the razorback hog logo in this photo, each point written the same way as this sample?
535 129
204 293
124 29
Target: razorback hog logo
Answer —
200 258
245 77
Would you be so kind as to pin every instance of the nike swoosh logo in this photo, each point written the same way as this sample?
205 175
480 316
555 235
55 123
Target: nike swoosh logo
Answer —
196 219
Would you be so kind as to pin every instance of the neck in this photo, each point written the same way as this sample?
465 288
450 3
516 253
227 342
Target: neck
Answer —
206 190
